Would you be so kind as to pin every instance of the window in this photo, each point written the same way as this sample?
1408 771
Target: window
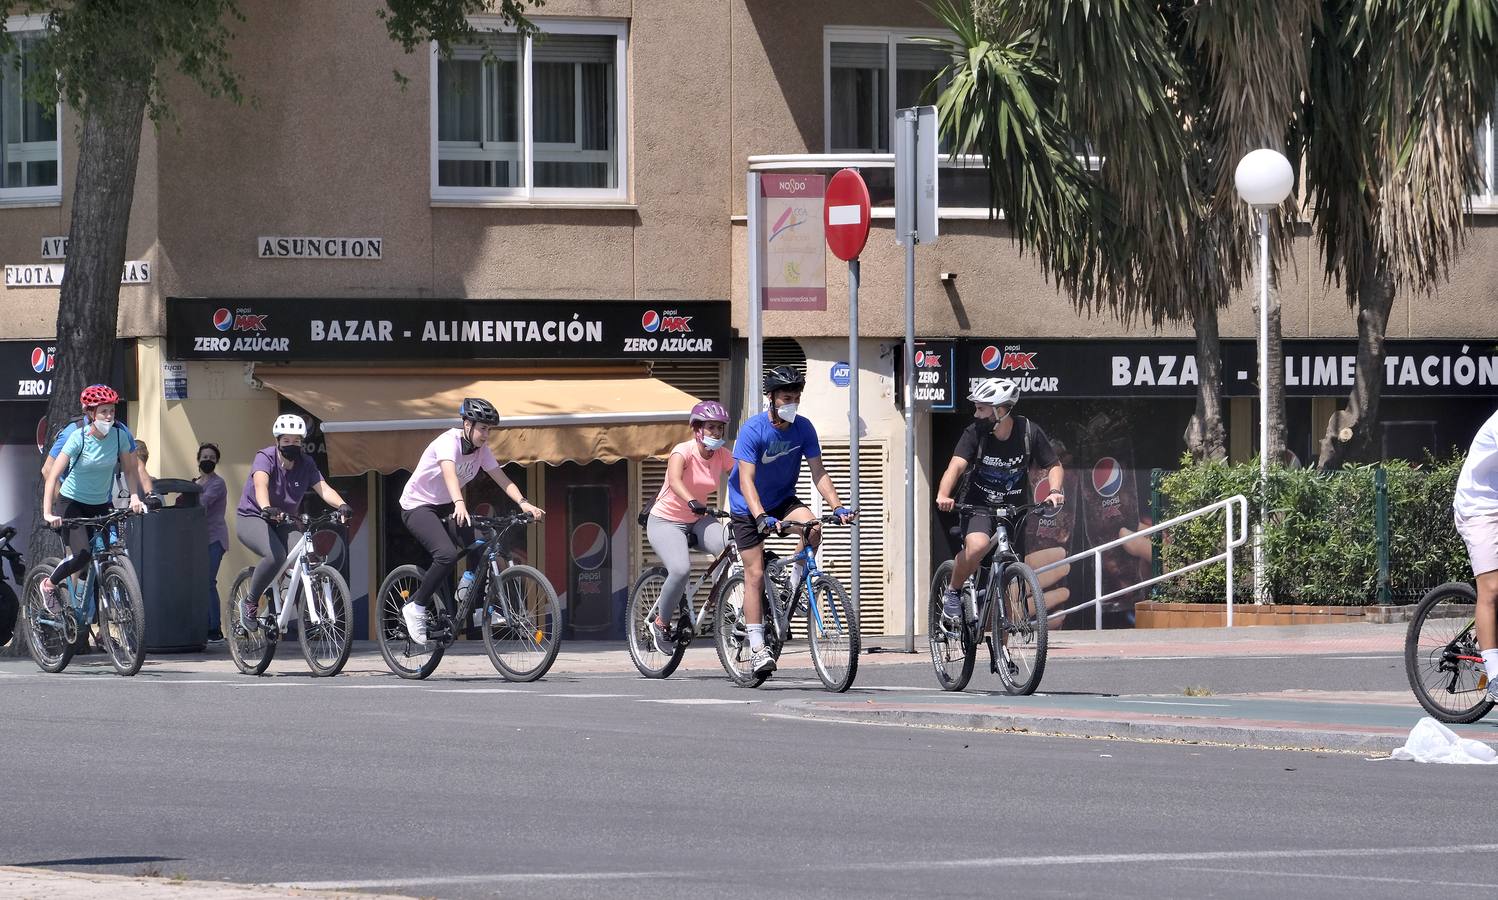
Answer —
532 119
1483 147
30 161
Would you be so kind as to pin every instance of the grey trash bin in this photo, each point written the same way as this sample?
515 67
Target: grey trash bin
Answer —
169 548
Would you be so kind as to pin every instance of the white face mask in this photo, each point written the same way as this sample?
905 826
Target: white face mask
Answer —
787 412
102 428
712 443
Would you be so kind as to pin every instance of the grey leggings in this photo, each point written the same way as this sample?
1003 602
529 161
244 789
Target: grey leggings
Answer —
269 542
669 541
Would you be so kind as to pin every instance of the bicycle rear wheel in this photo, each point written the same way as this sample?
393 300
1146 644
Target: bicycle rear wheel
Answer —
326 644
730 636
46 632
249 646
1020 630
522 623
122 616
1441 656
832 626
638 615
954 657
404 657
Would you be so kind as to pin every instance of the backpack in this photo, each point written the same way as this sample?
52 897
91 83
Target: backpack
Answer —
982 445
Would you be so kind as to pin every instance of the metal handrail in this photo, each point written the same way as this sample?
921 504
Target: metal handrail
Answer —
1232 540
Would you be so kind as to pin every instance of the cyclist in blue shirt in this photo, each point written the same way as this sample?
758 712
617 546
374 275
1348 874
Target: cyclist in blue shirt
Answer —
90 457
69 430
762 492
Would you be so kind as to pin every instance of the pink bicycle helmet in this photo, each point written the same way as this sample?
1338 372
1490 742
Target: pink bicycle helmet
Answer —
709 411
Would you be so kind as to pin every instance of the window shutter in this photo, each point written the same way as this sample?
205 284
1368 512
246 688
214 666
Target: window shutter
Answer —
847 55
784 352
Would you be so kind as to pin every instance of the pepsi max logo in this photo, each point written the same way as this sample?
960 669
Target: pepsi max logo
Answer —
1018 362
590 546
1107 477
224 320
991 357
668 323
925 359
41 360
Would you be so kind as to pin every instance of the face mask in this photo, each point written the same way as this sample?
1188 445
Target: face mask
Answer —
101 428
206 466
291 452
787 412
712 443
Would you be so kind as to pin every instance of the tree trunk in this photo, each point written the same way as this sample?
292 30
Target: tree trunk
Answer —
1206 438
88 310
1349 431
1276 411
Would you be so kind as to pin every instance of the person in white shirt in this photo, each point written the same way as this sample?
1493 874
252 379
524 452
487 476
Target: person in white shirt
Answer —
1476 508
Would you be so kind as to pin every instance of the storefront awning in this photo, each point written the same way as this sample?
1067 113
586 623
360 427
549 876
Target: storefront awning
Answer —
383 422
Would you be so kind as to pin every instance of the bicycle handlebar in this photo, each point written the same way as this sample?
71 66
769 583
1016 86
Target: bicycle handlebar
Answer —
106 519
499 523
825 519
1000 512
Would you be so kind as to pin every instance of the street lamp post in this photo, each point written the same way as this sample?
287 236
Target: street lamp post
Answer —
1264 179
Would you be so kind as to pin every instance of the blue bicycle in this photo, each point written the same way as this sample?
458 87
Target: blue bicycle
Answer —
108 592
831 618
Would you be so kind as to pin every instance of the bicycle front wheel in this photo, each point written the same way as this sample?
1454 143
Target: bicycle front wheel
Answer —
403 656
640 612
1020 630
731 636
1441 656
832 625
122 616
46 631
522 623
952 655
249 645
326 643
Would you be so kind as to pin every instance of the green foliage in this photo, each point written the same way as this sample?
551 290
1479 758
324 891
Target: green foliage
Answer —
1322 538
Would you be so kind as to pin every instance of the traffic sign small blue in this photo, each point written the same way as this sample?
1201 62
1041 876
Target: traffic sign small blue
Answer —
841 374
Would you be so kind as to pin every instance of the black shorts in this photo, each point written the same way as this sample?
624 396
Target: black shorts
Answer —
746 534
983 522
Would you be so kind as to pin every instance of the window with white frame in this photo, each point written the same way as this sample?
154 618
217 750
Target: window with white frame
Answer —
29 156
532 118
1482 135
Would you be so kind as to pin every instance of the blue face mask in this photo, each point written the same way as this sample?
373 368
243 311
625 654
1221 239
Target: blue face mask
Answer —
712 443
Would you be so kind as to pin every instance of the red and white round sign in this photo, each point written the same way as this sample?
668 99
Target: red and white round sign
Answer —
846 213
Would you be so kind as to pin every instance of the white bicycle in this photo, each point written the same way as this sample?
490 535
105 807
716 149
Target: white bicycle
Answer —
306 590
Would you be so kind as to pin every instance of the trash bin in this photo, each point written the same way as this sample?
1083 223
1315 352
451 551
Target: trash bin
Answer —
169 548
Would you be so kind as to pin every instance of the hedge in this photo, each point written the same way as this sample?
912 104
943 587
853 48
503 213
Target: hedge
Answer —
1322 538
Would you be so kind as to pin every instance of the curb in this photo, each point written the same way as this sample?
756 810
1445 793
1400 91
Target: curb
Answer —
1366 740
66 884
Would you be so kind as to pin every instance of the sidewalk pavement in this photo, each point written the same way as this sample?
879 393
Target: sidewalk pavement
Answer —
50 884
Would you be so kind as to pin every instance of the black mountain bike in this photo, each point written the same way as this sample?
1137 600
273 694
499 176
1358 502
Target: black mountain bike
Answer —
107 592
1441 656
519 612
646 593
10 607
1014 630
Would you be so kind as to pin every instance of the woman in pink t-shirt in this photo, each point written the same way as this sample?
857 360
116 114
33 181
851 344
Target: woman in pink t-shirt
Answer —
696 469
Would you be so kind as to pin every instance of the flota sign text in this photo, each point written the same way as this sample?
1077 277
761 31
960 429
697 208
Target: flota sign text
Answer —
136 271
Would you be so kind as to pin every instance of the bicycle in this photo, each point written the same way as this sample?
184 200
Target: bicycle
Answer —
521 614
108 595
306 588
1441 656
10 605
832 620
646 592
1018 655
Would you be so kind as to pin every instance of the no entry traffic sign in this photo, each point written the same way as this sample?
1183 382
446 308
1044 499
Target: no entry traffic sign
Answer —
847 214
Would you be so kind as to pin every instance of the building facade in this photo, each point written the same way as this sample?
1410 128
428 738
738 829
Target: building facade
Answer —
560 222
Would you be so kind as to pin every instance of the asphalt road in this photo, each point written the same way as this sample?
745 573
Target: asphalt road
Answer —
614 786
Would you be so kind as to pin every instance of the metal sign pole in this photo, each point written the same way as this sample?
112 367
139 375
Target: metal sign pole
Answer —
754 208
907 179
853 417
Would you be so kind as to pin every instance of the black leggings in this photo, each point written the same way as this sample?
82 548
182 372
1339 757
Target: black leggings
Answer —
79 552
427 525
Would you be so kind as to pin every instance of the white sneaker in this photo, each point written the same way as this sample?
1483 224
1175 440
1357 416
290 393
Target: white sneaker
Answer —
762 663
416 622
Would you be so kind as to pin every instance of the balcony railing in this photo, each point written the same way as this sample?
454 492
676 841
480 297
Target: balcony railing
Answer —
962 183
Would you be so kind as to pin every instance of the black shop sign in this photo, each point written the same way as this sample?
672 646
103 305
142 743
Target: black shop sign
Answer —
26 369
934 365
1169 368
364 330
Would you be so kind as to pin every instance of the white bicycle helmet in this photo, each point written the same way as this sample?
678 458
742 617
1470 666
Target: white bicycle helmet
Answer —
995 391
289 424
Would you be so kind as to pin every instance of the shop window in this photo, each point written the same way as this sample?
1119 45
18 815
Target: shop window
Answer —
531 118
784 352
29 156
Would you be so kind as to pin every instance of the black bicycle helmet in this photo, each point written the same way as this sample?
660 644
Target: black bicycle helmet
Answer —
784 378
477 409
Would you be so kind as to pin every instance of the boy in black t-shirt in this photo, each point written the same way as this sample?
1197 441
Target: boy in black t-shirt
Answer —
996 453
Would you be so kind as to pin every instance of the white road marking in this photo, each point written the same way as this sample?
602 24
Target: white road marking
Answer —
368 687
1091 859
1375 878
698 701
1360 657
592 696
478 691
470 879
1173 703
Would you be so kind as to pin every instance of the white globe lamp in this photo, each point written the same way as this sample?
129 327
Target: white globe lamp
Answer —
1264 178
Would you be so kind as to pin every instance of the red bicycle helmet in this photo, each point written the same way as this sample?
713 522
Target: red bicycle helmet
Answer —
97 395
708 411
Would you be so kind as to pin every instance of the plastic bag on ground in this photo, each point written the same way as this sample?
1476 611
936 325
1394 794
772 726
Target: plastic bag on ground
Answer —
1432 742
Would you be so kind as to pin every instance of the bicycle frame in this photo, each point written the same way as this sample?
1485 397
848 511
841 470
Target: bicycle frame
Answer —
493 562
801 591
722 566
104 545
296 572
